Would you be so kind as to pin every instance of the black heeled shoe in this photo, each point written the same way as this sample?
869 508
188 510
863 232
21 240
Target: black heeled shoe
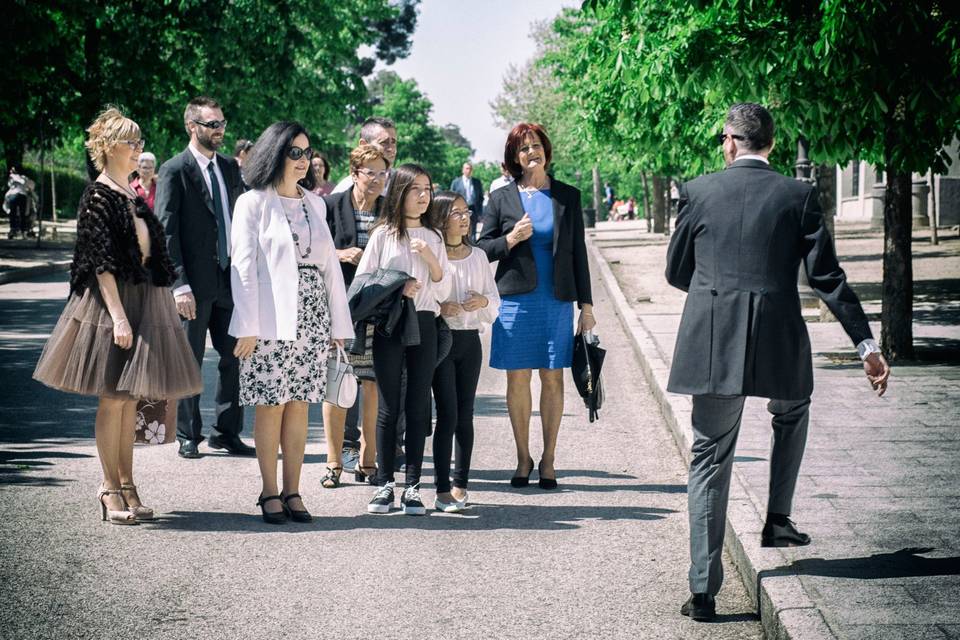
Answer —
280 517
545 483
519 482
365 475
297 515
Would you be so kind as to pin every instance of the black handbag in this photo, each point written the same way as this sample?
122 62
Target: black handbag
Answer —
587 364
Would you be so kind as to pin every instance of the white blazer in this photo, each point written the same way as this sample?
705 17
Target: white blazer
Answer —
264 277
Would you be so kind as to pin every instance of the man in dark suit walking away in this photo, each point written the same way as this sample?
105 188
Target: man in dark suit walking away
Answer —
472 191
196 191
740 239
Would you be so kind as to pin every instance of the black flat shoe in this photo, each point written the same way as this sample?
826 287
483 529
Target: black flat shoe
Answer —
280 517
232 444
545 483
783 535
519 482
188 449
701 607
301 515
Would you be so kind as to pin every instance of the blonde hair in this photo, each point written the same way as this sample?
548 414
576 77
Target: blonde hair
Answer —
109 128
363 154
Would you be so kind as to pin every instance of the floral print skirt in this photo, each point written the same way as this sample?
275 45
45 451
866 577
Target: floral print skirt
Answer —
280 371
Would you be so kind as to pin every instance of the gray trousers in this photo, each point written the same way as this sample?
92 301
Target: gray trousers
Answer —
716 424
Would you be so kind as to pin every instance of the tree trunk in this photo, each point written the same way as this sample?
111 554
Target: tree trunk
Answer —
896 316
646 201
659 211
596 190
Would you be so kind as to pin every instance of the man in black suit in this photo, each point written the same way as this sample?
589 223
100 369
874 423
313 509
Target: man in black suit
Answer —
472 191
196 191
741 236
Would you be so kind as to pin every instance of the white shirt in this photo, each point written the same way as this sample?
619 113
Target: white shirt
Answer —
500 182
386 251
343 185
223 216
752 156
473 274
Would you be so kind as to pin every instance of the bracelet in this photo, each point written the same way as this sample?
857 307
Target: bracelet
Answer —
122 321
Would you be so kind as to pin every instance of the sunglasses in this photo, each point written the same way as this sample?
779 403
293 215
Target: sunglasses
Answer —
722 137
295 153
212 124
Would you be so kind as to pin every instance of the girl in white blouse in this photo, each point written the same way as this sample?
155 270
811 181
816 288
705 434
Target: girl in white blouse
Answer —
472 306
290 305
404 239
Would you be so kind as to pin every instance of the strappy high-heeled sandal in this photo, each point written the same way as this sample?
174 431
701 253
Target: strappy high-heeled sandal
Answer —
331 480
365 474
141 512
114 517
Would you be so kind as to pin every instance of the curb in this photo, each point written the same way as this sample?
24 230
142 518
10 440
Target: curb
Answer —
786 610
26 273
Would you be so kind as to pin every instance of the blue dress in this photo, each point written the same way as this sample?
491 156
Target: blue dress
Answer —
535 330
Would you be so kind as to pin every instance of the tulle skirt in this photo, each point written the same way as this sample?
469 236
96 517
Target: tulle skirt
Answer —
80 356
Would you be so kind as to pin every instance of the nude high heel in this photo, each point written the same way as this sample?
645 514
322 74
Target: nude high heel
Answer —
141 512
114 517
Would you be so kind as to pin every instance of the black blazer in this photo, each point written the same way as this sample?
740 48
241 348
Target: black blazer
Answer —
184 207
741 236
517 271
343 226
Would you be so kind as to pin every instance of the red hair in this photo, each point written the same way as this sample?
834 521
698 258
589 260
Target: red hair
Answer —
515 139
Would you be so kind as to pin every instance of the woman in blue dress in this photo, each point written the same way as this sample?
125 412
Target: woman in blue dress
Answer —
534 228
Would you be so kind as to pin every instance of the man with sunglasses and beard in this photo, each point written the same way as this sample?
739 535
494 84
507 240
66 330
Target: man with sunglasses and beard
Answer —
196 192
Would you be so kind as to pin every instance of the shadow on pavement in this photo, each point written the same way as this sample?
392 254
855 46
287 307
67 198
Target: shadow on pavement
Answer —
14 464
503 487
906 563
480 517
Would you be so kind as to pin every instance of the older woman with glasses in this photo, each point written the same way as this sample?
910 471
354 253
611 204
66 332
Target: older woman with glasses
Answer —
145 184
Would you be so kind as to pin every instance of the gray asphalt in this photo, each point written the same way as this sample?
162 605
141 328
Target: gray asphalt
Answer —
604 557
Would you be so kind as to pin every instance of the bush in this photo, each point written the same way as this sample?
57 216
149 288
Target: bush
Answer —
70 185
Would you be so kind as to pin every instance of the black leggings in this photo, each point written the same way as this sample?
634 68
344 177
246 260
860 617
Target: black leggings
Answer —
390 360
454 391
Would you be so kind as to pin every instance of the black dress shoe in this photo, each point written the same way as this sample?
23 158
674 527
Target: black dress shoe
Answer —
545 483
272 517
188 449
701 607
519 482
297 515
232 444
783 535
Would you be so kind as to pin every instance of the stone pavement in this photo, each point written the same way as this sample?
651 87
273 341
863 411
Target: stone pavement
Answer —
880 482
604 557
24 258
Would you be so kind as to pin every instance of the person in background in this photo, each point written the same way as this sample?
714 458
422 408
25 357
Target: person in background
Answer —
290 307
406 240
472 191
19 202
321 167
471 306
381 133
504 179
351 215
240 151
145 184
631 208
542 271
119 337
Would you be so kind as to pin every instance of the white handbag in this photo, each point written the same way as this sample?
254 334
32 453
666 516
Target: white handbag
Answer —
341 381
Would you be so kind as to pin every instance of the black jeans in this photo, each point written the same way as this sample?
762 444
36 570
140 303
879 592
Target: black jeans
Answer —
454 391
391 359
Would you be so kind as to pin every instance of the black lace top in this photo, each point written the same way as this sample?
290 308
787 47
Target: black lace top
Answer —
107 241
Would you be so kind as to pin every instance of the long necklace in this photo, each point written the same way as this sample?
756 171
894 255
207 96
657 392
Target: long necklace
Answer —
126 189
296 236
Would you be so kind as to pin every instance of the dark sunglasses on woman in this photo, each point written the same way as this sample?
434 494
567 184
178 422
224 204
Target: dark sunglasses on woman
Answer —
295 153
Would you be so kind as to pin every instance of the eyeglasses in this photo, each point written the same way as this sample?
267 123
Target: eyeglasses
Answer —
373 175
295 153
212 124
459 213
136 145
721 137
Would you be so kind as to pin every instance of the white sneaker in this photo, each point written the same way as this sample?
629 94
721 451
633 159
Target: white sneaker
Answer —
447 507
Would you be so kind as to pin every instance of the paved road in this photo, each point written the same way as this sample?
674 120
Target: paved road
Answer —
605 557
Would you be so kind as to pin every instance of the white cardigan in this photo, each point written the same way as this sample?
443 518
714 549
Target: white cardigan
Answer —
264 277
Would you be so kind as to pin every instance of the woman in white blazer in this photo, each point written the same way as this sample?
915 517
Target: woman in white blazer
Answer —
290 306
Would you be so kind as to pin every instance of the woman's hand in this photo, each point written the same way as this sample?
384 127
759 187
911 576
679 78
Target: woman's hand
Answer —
450 309
586 322
521 231
122 333
350 256
337 343
245 347
475 301
422 249
410 289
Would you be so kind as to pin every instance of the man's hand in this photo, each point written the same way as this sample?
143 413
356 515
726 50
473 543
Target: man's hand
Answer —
351 255
878 371
186 305
245 346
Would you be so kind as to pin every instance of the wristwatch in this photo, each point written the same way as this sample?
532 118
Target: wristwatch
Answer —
866 347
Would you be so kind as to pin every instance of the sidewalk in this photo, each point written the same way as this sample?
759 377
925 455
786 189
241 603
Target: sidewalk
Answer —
23 258
880 483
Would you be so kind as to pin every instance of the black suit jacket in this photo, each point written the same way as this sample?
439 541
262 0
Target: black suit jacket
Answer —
517 271
343 226
741 236
185 209
476 206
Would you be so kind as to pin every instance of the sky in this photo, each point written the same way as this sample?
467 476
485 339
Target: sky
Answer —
460 52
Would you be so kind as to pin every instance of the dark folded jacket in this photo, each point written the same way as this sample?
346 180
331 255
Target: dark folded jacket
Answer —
377 298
